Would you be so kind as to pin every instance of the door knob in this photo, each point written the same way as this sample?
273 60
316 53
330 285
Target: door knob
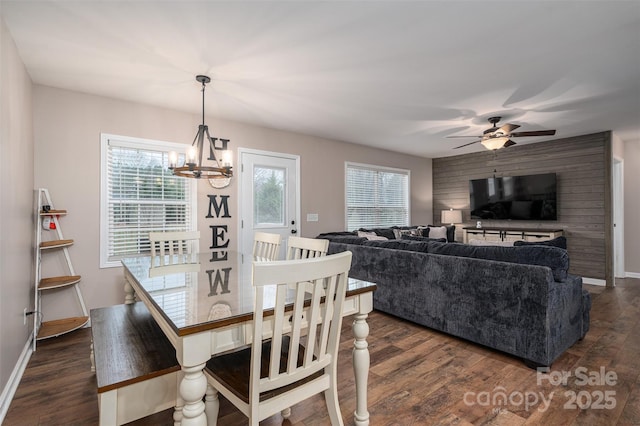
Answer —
294 231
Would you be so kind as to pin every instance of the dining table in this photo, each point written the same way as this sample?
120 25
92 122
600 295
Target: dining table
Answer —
205 307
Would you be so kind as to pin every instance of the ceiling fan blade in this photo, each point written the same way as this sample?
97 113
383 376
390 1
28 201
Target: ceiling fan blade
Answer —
508 143
508 128
533 133
467 144
449 137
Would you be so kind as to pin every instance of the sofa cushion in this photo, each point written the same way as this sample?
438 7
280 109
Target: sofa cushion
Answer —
556 242
490 243
420 246
555 258
329 235
344 239
425 239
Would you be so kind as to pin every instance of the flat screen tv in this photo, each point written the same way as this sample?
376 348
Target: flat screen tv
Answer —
531 197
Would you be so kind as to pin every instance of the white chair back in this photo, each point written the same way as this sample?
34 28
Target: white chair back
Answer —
266 246
281 370
304 248
173 250
322 323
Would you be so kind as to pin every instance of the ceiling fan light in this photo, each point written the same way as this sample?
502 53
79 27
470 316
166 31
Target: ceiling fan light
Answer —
494 143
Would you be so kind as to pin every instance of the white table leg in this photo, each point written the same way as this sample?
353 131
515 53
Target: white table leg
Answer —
177 416
211 405
286 413
177 413
129 293
193 387
92 357
361 367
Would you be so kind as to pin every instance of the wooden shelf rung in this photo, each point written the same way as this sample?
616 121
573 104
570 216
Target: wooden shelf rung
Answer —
58 282
60 326
53 213
55 244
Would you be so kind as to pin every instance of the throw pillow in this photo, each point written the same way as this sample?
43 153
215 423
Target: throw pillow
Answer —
371 236
384 232
399 232
381 232
438 232
424 231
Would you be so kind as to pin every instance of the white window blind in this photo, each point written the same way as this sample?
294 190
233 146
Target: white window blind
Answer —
140 195
376 196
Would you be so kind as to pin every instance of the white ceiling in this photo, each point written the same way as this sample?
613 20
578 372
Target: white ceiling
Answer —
390 74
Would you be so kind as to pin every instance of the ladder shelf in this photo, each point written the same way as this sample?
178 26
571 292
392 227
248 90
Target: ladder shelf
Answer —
46 214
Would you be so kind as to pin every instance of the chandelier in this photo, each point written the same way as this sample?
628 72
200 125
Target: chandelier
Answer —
219 175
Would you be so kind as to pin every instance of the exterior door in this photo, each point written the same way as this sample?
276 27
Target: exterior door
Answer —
269 199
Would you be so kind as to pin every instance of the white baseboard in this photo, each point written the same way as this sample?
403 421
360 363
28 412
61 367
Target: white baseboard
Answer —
632 274
14 380
594 281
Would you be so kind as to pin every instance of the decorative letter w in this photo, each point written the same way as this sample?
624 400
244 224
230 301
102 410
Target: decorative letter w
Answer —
218 280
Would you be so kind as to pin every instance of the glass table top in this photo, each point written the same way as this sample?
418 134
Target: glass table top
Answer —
208 294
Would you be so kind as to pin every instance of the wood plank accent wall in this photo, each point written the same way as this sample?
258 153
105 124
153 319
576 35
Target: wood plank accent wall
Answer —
583 167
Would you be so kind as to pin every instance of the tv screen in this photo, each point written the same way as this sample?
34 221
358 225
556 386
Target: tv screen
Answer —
531 197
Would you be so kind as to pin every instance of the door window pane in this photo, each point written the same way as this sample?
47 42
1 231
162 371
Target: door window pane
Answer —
269 196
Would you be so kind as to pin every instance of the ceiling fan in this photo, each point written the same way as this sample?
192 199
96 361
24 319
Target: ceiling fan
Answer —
500 137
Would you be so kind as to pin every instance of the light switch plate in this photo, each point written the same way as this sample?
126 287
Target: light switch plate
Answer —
312 217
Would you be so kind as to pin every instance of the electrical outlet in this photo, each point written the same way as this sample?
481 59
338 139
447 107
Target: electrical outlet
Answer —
24 317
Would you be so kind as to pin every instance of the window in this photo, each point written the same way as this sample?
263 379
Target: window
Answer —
376 196
269 196
139 195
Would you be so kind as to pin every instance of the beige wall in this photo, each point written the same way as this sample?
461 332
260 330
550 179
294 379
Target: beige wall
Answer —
67 145
632 208
16 201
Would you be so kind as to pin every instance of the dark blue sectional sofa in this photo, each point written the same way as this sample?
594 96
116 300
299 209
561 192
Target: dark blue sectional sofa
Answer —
519 300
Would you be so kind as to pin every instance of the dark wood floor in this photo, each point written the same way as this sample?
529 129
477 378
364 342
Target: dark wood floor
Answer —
418 377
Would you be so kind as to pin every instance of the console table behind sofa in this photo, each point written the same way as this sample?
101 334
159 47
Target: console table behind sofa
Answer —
508 234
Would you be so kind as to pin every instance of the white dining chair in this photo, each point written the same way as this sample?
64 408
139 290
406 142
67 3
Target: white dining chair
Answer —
275 374
266 246
304 248
174 251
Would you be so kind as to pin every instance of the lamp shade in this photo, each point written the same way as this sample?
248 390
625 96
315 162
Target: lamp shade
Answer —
495 143
451 216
